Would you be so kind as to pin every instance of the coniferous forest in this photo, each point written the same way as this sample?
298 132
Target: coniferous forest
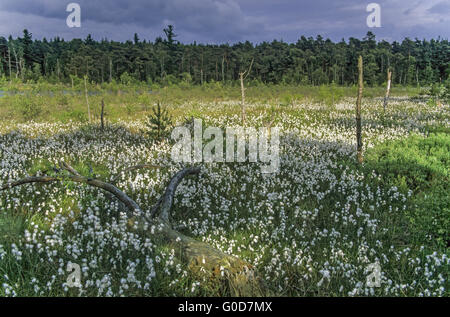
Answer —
309 61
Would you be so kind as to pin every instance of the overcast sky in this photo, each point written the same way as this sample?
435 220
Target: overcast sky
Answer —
218 21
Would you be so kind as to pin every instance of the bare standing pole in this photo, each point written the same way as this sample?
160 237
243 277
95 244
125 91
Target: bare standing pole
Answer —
17 63
9 62
102 114
223 74
110 70
57 69
243 76
87 100
358 110
388 89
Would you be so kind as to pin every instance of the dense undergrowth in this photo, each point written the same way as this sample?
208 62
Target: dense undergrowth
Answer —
421 165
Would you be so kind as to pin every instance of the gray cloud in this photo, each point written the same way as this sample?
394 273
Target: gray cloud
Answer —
207 18
227 20
440 8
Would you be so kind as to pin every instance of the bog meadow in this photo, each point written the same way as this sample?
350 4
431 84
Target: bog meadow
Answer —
92 202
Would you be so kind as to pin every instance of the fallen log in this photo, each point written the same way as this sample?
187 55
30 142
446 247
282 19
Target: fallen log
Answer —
239 277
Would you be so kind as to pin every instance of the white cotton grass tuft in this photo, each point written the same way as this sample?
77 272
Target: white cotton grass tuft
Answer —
316 223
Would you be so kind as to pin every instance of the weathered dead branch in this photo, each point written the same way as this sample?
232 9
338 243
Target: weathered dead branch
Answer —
167 202
239 276
28 180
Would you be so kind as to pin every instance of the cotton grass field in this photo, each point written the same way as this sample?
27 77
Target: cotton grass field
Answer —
312 229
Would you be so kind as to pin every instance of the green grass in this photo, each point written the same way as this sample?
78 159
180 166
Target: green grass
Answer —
417 164
59 103
420 165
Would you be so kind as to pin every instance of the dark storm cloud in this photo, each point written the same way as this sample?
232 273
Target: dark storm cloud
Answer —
442 8
227 20
208 18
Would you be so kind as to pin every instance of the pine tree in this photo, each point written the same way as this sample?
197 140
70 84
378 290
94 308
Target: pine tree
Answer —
158 122
27 49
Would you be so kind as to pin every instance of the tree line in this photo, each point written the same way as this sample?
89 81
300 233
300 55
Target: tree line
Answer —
309 61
